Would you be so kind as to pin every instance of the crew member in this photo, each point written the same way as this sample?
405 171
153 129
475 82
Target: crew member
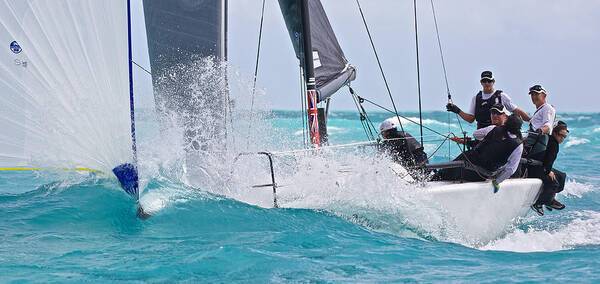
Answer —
501 148
484 100
540 125
553 180
402 147
498 115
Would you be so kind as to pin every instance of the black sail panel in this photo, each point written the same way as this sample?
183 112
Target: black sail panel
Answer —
181 34
332 70
179 29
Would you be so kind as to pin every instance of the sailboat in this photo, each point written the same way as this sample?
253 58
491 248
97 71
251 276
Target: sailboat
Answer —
67 88
473 207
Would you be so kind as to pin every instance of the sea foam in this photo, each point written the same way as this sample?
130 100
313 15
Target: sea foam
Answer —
573 188
582 230
576 141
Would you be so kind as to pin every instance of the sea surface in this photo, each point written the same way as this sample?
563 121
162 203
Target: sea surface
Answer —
340 219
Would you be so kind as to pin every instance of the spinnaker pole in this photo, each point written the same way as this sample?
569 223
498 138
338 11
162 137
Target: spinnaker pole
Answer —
309 71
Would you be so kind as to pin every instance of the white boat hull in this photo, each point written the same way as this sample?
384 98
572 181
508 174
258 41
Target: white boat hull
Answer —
479 213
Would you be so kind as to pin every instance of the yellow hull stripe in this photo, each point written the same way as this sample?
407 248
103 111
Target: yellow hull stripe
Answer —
66 169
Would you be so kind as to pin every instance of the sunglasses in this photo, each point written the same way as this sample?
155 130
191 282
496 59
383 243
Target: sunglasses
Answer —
486 81
562 135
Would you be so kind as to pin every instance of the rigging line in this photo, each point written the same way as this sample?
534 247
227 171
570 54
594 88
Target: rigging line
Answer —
135 63
379 63
302 102
303 95
418 71
260 29
437 32
363 112
262 16
366 127
361 116
410 120
372 127
365 143
439 147
230 108
449 144
370 122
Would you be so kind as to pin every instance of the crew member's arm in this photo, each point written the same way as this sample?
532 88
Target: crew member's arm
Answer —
511 165
545 129
455 109
550 156
523 114
548 120
466 117
480 133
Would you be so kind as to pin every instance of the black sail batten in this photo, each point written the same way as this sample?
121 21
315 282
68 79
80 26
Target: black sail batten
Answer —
331 68
179 33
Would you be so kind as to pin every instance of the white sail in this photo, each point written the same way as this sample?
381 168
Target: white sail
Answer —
64 84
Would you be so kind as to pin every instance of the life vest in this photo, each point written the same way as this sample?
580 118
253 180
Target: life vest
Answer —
482 108
493 152
535 143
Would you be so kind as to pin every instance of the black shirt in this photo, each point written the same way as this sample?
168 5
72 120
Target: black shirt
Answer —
550 154
406 150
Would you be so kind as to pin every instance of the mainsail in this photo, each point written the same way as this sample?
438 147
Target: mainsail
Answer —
181 34
331 68
65 86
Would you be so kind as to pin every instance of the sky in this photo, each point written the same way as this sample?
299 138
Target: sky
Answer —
526 42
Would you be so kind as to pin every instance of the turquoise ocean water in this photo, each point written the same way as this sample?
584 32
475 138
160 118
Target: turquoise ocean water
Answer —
58 227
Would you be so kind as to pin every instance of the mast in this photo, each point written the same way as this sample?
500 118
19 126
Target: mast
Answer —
309 71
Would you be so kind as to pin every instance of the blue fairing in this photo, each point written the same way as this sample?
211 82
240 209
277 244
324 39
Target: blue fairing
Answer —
128 177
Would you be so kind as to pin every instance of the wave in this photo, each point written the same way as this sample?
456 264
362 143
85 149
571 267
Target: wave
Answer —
578 118
596 130
576 141
573 188
582 230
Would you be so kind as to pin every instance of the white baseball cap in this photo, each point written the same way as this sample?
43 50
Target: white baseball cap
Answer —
387 124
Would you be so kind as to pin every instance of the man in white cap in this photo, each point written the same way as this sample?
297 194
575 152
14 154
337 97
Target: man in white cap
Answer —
541 123
401 146
484 100
498 115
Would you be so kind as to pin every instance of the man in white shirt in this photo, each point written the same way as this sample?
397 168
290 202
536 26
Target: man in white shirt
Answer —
484 100
541 123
